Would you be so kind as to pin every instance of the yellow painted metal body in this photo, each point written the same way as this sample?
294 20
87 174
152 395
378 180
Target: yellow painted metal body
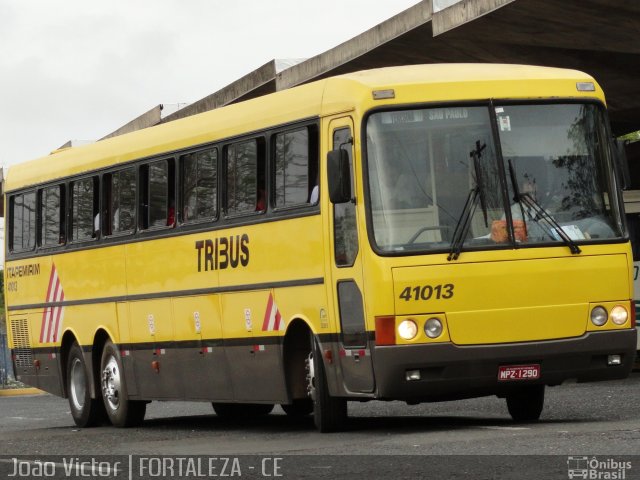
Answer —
520 296
148 291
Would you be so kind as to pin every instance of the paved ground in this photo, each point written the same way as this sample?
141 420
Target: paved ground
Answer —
601 419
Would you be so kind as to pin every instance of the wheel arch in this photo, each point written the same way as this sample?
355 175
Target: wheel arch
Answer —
92 357
68 339
296 347
100 338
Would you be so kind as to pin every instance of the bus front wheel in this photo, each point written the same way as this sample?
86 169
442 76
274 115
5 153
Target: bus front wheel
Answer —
121 411
329 413
525 404
86 411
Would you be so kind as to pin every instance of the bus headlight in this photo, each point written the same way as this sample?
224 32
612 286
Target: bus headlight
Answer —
599 316
433 328
408 329
619 315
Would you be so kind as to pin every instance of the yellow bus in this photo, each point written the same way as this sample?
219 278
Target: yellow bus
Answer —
417 233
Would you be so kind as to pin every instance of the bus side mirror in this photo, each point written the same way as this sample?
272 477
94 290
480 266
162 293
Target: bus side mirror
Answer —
622 163
339 176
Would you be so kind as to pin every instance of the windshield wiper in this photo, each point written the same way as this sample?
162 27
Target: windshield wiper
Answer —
475 155
539 213
464 222
475 194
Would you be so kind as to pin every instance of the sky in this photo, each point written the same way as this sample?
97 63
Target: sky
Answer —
79 69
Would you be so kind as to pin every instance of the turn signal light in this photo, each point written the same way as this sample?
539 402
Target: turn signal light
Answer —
386 330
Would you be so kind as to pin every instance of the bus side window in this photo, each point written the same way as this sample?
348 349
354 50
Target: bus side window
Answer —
52 208
119 201
23 222
85 216
295 169
245 177
199 186
157 194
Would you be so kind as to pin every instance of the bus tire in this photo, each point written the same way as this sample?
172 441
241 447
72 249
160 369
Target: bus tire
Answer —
86 411
239 411
525 404
301 407
329 413
121 411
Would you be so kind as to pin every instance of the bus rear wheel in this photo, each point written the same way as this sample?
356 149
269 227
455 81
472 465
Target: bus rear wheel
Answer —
525 404
329 413
86 411
121 411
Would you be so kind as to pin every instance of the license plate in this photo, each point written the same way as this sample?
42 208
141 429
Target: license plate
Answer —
518 372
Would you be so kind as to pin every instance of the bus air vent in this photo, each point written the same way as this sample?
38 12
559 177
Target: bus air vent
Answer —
22 351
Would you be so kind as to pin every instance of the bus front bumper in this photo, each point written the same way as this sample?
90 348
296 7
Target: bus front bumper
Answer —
447 371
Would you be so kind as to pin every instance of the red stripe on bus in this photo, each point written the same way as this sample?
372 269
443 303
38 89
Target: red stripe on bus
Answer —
267 314
43 327
58 315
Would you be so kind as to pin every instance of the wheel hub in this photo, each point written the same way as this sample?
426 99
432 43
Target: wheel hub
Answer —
311 376
111 384
78 384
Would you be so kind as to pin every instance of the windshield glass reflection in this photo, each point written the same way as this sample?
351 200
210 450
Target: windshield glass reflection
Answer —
436 183
558 154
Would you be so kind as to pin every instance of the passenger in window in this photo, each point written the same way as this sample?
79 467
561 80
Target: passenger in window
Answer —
535 226
261 203
313 198
171 214
115 223
96 225
190 209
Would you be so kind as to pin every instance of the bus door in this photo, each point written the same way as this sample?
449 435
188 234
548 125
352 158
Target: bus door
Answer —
346 271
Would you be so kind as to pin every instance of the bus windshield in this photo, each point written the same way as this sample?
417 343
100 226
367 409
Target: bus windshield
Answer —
466 177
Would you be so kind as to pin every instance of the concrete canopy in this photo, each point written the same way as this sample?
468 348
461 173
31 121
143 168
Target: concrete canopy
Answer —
600 37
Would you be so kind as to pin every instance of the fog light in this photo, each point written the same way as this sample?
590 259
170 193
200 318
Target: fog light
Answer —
408 329
614 360
413 375
599 316
433 328
619 315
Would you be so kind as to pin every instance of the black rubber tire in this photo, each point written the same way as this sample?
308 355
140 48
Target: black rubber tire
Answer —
525 404
121 411
242 411
86 411
301 407
329 413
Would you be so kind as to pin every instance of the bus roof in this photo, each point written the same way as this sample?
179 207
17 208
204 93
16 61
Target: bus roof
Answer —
443 82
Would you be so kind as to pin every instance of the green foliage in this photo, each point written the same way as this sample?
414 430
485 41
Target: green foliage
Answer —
634 136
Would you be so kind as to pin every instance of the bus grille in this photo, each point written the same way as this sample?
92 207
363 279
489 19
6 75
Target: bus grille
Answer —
22 350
